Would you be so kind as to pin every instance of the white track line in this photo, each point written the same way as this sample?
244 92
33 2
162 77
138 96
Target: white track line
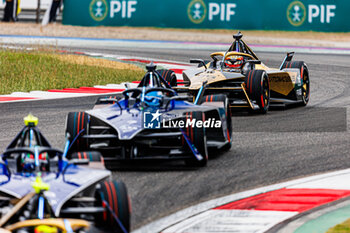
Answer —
182 215
231 221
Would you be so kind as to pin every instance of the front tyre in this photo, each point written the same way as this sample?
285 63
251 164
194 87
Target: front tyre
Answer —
258 89
198 138
114 198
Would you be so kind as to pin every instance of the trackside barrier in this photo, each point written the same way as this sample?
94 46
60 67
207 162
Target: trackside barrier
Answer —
294 15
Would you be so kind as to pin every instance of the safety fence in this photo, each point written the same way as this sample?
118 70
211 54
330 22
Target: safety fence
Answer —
294 15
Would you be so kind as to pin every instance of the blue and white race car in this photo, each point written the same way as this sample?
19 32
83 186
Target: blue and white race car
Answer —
152 122
42 191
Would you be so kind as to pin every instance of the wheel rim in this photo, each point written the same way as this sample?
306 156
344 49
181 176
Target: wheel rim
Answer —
306 87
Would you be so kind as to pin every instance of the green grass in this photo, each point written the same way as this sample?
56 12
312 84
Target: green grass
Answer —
27 71
341 228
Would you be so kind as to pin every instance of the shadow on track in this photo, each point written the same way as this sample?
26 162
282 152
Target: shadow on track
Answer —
153 166
293 119
166 166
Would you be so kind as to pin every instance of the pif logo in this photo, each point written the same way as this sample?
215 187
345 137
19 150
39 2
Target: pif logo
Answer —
197 11
296 13
98 9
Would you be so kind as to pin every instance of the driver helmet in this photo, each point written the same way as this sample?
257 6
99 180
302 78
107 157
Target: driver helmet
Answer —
234 62
28 161
153 98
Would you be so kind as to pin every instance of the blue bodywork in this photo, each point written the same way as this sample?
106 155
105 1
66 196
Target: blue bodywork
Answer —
147 123
62 186
21 163
128 122
127 118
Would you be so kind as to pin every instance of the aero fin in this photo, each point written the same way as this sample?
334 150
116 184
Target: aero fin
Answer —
288 58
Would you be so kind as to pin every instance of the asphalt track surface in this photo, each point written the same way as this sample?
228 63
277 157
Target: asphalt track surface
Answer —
282 145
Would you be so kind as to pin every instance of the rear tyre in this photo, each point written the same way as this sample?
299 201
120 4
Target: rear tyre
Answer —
77 124
258 89
198 138
304 74
223 98
92 156
114 194
169 76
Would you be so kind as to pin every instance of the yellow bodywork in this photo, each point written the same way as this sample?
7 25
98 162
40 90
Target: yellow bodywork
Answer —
230 54
280 81
230 71
57 223
210 77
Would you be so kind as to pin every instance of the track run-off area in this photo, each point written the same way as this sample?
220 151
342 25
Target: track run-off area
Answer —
284 144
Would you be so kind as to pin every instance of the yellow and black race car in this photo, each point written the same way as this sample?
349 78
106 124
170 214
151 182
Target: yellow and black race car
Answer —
246 81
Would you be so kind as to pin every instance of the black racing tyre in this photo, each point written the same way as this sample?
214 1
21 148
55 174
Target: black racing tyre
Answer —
258 89
77 123
169 76
115 195
225 100
304 74
92 156
198 138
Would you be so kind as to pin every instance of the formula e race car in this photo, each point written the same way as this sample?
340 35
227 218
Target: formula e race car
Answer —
152 122
44 192
246 81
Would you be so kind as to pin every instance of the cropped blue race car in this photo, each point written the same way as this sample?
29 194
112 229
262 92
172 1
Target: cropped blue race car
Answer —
152 122
42 191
